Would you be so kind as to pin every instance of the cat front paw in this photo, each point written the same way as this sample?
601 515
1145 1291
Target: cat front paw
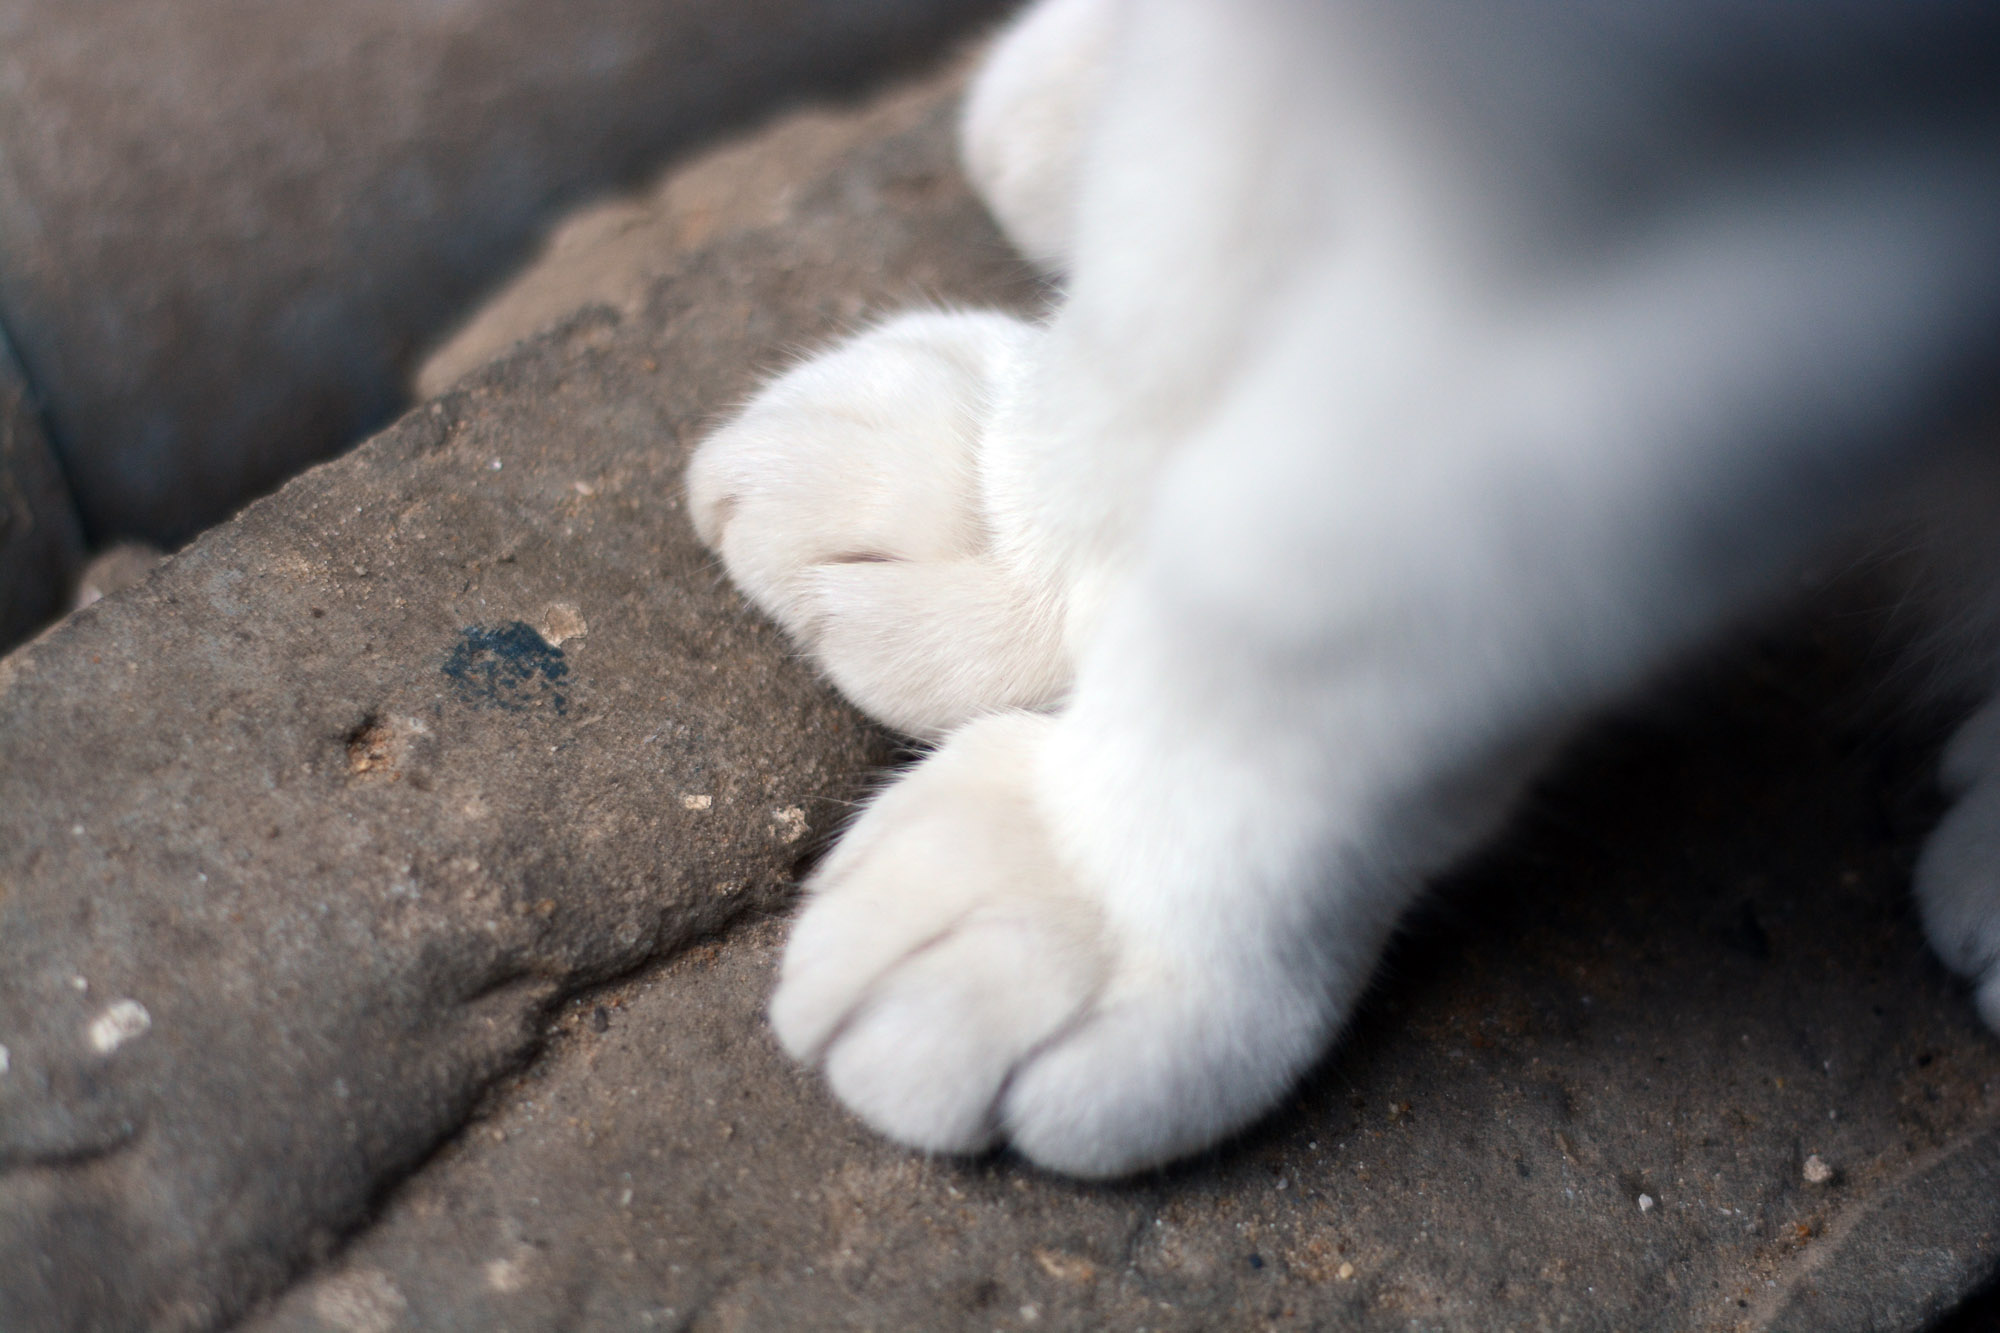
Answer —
845 500
961 987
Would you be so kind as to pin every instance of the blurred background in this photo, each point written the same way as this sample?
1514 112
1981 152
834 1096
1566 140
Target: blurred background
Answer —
230 228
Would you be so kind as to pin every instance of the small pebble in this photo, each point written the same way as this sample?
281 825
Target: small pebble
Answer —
561 622
5 1059
789 823
1817 1171
117 1025
1645 1203
1345 1272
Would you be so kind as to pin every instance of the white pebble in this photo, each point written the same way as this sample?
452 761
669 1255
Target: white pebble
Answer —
5 1060
697 802
79 984
789 823
1645 1203
1817 1171
561 622
117 1025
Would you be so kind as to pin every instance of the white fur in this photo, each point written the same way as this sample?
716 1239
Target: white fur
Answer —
846 502
1364 456
1022 133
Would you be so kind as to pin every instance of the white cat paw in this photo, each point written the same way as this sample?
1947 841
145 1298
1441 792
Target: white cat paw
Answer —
845 500
1957 877
962 988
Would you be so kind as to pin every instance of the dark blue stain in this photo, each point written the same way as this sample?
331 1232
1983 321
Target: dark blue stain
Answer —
507 666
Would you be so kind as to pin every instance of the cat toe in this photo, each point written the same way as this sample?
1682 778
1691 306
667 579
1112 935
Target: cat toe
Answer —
845 502
938 950
927 1057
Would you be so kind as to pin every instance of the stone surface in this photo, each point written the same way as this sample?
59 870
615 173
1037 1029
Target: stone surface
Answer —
1691 969
537 1093
344 794
41 544
228 227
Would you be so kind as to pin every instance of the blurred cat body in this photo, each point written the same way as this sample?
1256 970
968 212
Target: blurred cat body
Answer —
1425 375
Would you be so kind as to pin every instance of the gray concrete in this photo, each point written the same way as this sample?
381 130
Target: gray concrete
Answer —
385 802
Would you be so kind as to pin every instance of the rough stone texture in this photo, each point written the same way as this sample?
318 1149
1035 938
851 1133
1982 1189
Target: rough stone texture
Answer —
1583 1096
1934 1229
344 794
227 227
1691 968
41 544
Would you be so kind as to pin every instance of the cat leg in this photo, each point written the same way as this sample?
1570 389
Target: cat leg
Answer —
936 509
1375 583
1103 944
1026 114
